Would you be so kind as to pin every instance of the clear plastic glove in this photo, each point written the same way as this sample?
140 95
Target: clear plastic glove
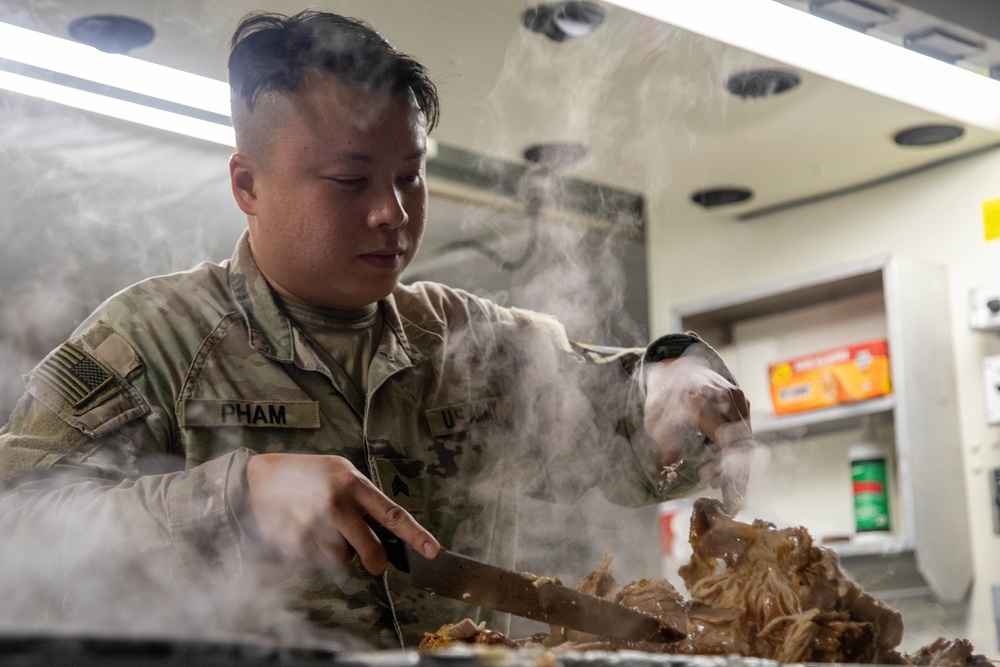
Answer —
688 405
314 508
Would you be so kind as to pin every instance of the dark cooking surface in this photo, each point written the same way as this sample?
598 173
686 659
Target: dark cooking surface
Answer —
30 650
64 651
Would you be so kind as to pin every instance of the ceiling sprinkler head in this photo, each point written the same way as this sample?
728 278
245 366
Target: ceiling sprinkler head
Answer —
560 21
111 33
762 82
556 155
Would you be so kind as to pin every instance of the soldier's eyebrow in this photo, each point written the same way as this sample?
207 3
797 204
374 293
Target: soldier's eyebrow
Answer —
358 157
350 156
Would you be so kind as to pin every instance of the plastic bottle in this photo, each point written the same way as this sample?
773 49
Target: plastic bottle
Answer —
869 476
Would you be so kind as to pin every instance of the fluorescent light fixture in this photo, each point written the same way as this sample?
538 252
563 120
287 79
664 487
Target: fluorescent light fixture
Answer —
138 76
72 59
942 45
116 108
812 44
855 14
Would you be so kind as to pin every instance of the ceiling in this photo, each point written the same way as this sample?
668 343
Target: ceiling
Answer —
649 100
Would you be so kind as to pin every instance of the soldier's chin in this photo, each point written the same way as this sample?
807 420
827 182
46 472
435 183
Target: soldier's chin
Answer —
372 292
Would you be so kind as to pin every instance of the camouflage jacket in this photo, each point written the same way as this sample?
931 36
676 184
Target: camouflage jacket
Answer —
157 401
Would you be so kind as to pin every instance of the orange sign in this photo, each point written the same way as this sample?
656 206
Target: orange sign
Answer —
822 380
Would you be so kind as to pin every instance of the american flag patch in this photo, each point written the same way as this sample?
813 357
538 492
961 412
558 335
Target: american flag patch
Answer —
73 373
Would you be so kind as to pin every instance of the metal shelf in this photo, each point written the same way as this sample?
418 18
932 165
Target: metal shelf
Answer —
827 420
914 302
871 544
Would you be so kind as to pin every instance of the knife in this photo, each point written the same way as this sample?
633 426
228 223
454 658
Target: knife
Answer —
455 576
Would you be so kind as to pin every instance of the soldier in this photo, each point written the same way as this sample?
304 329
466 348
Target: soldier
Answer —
264 409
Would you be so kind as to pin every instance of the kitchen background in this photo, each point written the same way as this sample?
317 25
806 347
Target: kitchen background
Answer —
688 171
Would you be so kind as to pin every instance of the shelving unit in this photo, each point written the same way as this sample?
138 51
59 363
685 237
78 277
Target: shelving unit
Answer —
906 302
825 421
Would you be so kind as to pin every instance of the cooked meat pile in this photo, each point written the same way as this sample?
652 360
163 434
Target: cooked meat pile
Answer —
465 632
795 603
757 591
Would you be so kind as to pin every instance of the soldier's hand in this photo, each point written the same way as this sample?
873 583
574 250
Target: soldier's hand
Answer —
314 507
687 404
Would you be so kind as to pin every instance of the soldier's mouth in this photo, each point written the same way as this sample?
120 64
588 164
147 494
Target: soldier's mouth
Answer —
383 260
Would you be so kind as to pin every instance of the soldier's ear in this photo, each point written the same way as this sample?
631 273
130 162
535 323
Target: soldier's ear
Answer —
241 177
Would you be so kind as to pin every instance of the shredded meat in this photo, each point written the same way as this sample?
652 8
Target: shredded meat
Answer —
756 591
954 653
465 631
795 602
600 583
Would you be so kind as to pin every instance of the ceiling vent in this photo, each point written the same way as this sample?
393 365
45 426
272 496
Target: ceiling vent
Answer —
942 45
928 135
721 196
560 21
111 33
762 82
854 14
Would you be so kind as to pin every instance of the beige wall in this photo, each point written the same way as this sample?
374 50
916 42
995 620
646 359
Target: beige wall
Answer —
935 215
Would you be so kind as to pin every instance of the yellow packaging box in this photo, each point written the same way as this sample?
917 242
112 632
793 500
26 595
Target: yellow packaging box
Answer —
822 380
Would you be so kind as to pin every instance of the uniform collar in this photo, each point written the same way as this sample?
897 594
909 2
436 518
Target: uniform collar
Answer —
269 329
395 344
273 334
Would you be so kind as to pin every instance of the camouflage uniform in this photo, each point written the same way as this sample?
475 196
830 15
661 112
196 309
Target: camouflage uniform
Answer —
159 398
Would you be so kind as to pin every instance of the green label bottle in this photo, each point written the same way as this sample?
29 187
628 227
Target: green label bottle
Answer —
871 491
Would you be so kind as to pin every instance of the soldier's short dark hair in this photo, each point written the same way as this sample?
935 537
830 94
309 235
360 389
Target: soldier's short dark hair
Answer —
275 53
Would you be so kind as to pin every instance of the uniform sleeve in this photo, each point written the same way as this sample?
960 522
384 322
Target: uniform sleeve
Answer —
89 477
682 477
632 470
582 407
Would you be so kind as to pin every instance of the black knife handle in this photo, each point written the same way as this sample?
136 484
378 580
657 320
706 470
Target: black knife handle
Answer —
395 547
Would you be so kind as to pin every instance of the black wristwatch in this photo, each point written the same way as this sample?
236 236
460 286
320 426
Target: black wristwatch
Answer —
670 346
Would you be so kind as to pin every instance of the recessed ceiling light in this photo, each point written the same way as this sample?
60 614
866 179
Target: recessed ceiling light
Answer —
721 196
762 82
855 14
556 155
111 33
942 45
928 135
560 21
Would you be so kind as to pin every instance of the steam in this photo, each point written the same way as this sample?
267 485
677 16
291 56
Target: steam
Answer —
69 571
577 274
90 207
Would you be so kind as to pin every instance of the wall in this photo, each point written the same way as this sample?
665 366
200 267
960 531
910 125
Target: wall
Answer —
935 215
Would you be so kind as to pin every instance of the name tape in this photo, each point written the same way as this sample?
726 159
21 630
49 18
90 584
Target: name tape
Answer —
201 412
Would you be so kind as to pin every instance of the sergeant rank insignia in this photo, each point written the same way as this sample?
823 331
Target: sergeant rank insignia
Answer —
73 373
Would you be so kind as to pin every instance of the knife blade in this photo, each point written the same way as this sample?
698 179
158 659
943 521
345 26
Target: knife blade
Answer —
461 578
